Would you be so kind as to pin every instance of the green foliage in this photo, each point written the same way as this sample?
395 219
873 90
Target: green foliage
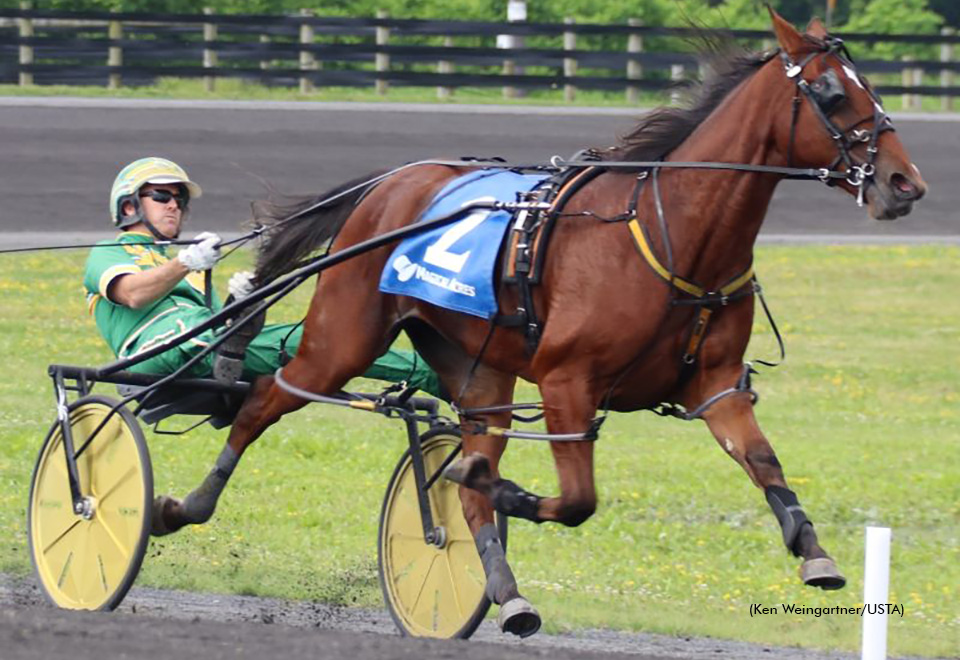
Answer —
894 17
742 14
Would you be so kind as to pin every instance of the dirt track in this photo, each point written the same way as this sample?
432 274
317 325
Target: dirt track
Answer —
170 624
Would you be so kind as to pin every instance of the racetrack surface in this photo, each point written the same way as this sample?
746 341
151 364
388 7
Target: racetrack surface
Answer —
172 624
60 156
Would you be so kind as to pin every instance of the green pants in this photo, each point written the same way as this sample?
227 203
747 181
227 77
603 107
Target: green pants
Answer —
263 356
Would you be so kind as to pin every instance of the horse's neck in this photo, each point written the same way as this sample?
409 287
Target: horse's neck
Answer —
714 216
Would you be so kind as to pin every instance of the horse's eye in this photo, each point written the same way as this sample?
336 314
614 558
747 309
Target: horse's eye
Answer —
828 91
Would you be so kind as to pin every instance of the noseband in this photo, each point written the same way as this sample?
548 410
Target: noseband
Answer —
859 174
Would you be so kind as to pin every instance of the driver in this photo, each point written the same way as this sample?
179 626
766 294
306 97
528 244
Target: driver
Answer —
142 298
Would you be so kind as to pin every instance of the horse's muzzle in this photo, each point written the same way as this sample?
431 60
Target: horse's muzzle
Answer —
893 197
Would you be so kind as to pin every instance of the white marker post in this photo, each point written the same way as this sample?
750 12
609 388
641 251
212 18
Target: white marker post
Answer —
876 590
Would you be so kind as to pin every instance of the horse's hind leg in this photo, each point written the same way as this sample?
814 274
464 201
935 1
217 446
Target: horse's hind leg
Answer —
482 458
265 404
328 356
735 427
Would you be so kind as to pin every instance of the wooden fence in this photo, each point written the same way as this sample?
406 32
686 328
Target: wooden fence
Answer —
308 51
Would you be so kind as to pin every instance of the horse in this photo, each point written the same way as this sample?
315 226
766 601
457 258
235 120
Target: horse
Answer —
803 105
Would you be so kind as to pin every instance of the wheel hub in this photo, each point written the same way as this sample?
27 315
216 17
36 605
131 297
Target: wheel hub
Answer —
87 509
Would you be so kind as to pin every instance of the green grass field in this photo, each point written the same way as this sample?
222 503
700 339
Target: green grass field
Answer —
241 90
865 415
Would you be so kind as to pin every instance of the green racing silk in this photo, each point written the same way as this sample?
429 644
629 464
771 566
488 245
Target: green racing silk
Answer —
129 331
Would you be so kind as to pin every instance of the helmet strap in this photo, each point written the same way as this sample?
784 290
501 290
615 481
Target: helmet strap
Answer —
138 216
156 232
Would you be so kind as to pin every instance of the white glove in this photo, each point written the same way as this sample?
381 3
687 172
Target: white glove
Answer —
240 284
203 255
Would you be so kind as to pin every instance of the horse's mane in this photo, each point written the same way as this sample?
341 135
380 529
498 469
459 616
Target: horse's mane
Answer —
288 243
662 130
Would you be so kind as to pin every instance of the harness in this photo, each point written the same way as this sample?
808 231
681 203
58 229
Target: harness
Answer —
845 139
526 250
524 258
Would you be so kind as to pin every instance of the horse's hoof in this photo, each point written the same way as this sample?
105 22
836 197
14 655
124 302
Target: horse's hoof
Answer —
468 470
519 617
163 511
822 572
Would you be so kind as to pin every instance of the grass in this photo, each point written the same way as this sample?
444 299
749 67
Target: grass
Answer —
241 90
238 89
865 415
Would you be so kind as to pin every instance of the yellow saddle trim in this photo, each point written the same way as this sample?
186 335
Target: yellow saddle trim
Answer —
643 245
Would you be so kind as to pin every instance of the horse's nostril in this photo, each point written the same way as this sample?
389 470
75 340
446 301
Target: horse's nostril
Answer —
904 188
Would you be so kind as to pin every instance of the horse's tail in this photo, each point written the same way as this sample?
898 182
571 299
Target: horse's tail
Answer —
289 242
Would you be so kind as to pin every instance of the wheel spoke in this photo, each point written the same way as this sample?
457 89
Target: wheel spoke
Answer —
423 583
453 585
113 537
61 536
131 471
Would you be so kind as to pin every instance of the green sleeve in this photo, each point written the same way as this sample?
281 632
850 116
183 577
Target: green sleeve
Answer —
105 264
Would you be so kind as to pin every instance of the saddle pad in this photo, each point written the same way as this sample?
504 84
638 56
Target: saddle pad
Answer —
452 265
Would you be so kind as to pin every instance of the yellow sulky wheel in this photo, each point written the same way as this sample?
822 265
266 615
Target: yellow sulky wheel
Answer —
430 590
89 561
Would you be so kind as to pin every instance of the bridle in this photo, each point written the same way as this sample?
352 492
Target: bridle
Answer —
859 174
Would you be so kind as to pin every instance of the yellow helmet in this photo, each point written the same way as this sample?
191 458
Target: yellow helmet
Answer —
135 175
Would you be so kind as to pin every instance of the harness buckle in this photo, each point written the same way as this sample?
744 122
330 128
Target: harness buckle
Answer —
860 135
794 70
824 175
855 176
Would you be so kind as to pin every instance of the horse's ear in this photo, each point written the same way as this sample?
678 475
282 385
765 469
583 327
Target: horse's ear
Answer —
791 41
816 28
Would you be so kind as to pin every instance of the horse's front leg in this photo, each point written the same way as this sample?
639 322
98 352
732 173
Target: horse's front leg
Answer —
733 424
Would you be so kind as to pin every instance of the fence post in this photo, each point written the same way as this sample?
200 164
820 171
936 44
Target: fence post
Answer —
634 68
443 67
264 64
516 13
908 79
114 53
946 76
26 52
307 60
209 55
569 63
676 75
382 61
917 81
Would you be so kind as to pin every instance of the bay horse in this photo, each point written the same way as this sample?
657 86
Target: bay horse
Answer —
611 333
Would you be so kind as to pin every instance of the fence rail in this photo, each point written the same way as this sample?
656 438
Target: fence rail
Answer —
114 49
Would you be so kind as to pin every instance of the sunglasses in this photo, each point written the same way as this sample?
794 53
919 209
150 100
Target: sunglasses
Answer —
164 197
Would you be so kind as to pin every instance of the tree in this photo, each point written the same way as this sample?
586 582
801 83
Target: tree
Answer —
894 17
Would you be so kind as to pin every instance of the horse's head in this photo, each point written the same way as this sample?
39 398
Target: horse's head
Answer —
837 122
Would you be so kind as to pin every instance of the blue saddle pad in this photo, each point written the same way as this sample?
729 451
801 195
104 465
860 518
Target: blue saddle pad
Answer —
452 265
